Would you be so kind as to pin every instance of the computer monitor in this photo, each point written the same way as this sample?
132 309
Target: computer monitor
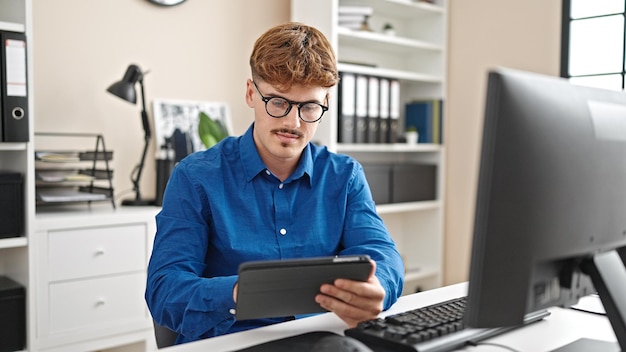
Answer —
551 200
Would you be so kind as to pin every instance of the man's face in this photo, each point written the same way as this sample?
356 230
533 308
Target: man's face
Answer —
282 138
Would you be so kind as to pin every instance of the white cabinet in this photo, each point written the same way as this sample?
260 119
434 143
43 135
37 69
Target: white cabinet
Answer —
90 270
415 56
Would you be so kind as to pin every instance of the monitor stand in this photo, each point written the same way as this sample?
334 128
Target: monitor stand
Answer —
608 273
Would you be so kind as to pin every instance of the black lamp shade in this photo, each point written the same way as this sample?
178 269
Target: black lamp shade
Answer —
125 88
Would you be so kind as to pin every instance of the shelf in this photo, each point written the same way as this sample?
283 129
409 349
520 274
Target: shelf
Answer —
411 9
390 73
13 242
12 146
382 42
12 27
395 208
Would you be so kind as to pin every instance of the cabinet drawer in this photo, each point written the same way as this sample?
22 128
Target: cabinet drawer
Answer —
89 252
97 303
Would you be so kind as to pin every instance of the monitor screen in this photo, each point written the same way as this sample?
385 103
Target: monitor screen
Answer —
551 200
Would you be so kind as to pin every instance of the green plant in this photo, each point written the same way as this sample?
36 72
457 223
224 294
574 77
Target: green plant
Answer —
411 129
210 131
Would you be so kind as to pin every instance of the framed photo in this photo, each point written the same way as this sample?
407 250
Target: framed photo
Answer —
176 123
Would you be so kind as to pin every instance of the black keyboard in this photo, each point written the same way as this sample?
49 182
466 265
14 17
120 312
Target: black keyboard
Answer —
435 328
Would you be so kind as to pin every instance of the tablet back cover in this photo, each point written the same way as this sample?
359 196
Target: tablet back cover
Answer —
284 288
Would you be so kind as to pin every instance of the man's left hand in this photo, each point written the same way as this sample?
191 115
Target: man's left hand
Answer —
353 301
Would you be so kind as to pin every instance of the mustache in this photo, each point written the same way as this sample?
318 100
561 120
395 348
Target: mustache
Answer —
288 131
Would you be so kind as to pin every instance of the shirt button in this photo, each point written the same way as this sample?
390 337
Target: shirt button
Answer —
280 186
283 232
267 172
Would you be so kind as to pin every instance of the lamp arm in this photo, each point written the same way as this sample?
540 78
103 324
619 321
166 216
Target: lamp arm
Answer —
147 137
140 166
144 114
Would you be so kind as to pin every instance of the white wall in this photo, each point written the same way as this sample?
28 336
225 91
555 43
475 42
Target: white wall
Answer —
195 51
485 34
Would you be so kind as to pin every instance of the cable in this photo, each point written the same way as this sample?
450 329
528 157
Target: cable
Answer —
588 306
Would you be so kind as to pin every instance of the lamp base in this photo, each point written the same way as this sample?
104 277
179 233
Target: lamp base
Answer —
141 202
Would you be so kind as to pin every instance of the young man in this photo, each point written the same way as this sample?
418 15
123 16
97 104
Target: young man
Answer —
269 194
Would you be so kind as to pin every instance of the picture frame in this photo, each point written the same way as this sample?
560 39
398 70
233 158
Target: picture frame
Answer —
176 124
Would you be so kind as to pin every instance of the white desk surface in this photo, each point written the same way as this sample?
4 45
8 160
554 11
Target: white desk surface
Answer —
563 326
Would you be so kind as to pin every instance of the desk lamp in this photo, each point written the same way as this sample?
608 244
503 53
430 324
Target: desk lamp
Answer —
125 89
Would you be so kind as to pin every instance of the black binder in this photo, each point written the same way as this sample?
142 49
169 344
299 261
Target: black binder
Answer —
347 103
394 111
361 108
383 116
373 110
13 87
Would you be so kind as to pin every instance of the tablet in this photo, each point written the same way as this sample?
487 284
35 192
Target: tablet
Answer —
279 288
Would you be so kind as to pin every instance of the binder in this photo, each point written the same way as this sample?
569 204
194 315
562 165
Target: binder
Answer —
373 96
420 114
426 117
361 109
383 124
13 87
436 121
439 126
394 110
346 100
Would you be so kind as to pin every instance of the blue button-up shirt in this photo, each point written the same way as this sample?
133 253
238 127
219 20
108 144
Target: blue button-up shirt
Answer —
223 206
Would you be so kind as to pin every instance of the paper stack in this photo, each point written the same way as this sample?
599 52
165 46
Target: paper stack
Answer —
355 17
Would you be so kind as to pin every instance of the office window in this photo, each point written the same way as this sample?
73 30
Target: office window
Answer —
592 47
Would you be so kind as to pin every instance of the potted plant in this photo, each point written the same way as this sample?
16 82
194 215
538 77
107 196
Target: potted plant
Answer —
388 29
411 135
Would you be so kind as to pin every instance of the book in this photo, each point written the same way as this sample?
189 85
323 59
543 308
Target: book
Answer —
426 117
355 10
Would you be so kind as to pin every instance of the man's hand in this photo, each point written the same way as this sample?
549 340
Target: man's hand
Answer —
353 301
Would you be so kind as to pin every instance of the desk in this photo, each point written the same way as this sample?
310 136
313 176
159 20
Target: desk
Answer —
563 326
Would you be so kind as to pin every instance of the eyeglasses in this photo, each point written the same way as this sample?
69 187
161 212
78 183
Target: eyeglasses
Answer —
279 107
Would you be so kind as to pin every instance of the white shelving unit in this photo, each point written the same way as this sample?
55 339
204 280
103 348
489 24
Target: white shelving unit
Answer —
83 268
415 56
16 157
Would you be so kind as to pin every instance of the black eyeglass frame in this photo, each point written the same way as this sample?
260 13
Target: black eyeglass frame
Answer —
291 104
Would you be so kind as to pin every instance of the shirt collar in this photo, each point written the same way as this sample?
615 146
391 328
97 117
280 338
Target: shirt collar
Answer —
253 165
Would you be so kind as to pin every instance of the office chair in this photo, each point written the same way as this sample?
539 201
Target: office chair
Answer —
164 336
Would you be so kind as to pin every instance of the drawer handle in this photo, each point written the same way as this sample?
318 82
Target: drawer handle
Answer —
100 302
99 252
